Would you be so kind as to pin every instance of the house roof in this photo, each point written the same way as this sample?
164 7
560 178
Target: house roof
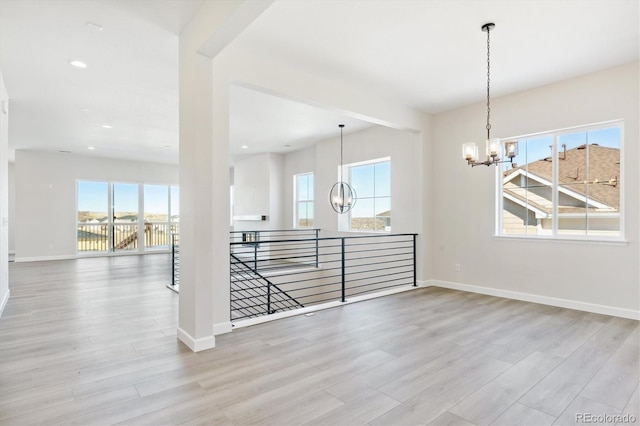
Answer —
601 185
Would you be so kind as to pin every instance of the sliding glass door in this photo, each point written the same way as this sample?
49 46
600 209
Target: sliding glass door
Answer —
94 226
125 217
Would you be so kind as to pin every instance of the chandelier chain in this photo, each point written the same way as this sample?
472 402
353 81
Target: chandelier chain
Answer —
488 84
341 166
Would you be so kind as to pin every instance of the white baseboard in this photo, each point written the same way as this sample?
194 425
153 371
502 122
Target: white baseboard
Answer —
544 300
222 328
43 258
196 345
4 301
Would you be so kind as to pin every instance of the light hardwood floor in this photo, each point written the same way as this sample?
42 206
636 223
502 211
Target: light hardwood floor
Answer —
92 341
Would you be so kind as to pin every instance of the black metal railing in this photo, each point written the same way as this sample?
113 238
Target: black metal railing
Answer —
318 270
256 247
254 295
175 261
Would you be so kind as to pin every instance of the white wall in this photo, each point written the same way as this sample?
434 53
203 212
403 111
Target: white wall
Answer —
257 186
4 197
12 207
464 198
45 184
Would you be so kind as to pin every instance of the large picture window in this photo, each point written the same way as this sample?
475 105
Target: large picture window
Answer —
372 183
303 203
565 184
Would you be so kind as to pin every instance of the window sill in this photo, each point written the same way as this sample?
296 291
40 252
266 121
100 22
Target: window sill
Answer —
610 241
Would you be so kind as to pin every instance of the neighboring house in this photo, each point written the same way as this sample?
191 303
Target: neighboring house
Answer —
589 197
386 218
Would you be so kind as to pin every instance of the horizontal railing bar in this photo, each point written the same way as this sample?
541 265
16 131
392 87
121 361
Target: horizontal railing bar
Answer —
336 283
353 280
306 272
250 291
356 276
403 241
354 258
238 297
263 304
377 288
308 230
378 250
287 248
401 262
322 239
261 307
372 283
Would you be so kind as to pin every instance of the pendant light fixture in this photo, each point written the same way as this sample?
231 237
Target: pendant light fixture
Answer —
342 196
493 148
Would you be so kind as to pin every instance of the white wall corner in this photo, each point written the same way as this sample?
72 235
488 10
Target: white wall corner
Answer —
543 300
196 345
222 328
4 301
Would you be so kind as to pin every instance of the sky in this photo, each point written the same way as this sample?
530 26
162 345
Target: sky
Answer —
537 148
94 197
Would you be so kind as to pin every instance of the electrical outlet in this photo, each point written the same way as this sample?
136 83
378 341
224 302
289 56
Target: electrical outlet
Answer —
457 267
50 246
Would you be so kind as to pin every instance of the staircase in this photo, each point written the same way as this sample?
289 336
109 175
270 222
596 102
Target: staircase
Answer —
132 238
253 295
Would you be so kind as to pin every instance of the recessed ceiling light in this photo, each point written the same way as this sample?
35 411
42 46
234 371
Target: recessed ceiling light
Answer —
77 63
91 148
167 146
95 26
85 109
244 147
106 126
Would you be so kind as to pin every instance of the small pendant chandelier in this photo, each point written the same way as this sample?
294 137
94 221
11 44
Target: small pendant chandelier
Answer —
470 150
342 196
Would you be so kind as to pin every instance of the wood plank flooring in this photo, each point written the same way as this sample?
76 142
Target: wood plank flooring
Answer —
93 341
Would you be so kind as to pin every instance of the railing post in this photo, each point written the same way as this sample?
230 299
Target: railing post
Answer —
268 297
173 262
343 283
255 251
317 253
415 270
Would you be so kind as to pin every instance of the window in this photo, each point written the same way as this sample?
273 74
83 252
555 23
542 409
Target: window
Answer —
108 216
566 184
371 182
156 216
303 200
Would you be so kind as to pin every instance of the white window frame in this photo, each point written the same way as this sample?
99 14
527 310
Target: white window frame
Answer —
555 151
296 201
344 220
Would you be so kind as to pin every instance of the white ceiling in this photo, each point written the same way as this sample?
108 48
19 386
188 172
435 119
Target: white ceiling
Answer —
428 54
